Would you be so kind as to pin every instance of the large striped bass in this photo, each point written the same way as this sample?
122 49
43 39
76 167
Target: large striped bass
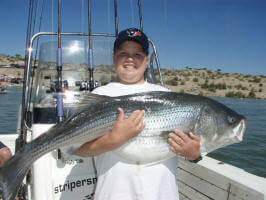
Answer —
217 125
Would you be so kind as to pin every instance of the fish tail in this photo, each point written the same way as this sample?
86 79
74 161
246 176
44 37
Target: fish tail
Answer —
11 176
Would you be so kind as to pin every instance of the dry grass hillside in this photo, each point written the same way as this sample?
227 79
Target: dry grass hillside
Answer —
215 83
11 60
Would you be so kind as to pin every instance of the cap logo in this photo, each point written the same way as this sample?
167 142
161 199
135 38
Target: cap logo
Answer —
133 33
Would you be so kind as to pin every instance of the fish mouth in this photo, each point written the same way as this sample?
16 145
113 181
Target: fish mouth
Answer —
239 130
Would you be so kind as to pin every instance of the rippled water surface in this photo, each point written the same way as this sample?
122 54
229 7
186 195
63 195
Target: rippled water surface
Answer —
250 154
9 104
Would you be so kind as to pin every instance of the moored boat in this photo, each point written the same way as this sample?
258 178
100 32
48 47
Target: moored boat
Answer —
2 89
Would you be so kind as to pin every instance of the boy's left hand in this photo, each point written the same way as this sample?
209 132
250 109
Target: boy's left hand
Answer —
184 145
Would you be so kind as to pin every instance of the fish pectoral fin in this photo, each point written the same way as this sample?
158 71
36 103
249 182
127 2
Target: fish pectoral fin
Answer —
68 152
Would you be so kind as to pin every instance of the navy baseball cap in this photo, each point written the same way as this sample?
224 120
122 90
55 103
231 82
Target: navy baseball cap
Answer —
135 35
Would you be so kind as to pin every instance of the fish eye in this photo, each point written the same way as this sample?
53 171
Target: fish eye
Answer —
231 119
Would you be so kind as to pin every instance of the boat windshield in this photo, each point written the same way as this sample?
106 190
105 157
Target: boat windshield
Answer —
75 71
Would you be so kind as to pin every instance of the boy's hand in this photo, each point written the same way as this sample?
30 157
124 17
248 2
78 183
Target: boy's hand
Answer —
5 154
184 145
126 128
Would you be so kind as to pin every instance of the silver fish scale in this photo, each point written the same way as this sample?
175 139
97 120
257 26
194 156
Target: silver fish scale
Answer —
170 118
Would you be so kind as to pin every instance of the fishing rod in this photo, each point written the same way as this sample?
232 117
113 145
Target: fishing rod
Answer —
60 106
90 51
37 45
116 20
140 15
21 140
154 55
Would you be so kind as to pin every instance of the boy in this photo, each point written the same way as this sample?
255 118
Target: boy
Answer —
116 178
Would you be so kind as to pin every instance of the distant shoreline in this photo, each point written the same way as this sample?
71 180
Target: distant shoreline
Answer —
199 82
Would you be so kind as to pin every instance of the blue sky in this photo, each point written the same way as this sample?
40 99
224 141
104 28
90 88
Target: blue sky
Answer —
215 34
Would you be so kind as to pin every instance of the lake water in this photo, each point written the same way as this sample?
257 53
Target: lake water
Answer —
9 104
249 155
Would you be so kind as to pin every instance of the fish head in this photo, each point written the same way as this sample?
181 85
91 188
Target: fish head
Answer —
219 126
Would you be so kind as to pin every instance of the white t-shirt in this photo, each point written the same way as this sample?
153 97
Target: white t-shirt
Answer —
118 180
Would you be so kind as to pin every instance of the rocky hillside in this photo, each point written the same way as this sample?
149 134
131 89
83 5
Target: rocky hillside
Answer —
11 60
215 83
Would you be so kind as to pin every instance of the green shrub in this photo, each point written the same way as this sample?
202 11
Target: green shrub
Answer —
239 86
255 80
195 80
220 86
212 86
212 90
235 95
251 94
172 82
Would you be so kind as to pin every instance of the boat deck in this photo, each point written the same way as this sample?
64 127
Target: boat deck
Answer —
212 179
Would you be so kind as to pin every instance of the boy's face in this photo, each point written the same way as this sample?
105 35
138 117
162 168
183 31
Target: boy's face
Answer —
130 63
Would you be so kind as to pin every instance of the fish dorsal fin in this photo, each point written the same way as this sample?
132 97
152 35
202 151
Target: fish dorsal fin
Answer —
89 99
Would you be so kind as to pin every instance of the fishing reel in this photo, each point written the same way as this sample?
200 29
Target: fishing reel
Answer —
85 85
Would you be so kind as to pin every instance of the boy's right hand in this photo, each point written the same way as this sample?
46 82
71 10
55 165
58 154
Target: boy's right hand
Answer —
5 154
126 128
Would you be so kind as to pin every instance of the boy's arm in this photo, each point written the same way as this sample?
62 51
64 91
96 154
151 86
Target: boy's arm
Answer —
123 130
